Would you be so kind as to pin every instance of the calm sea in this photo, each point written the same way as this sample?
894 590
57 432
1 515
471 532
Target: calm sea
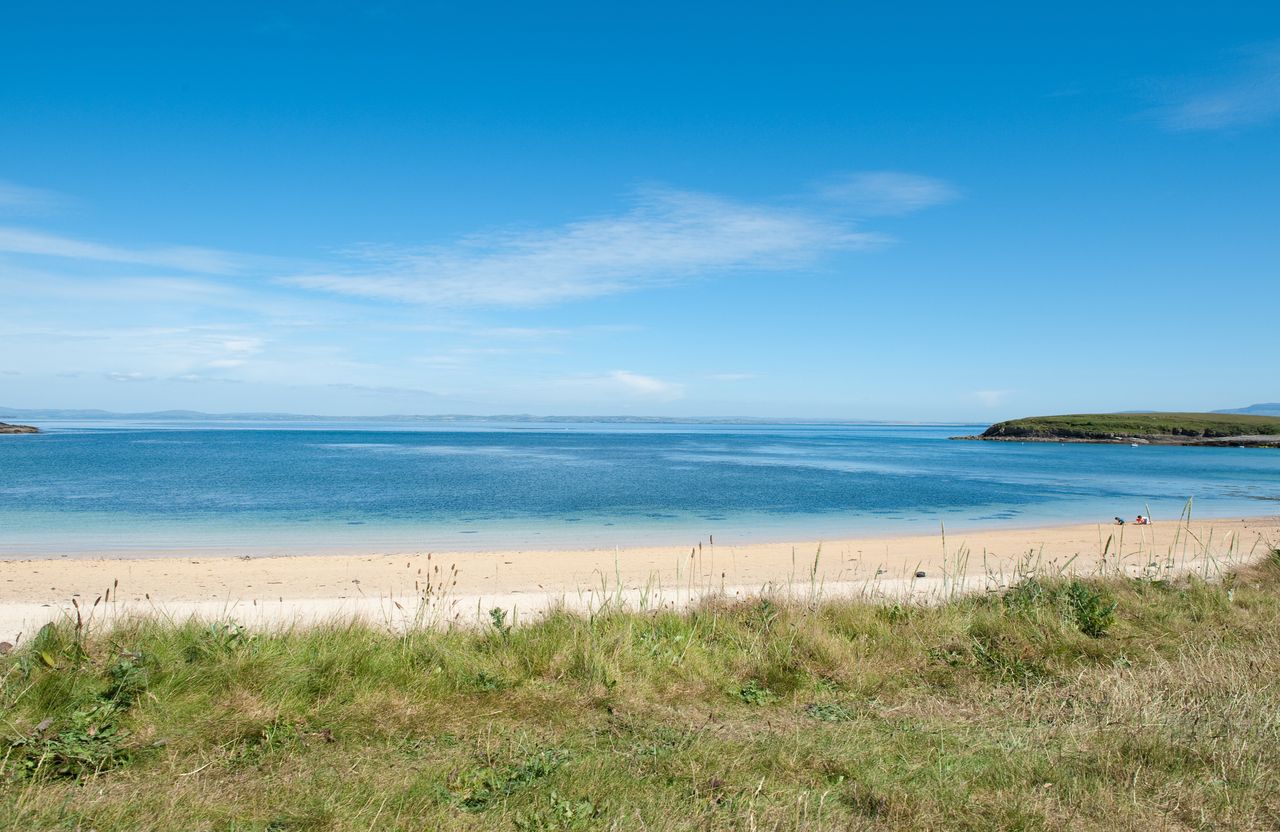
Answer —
103 488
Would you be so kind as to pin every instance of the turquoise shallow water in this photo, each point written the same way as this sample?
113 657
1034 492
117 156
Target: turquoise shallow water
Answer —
86 488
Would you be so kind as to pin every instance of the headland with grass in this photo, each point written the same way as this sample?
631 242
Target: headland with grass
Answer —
6 428
1207 429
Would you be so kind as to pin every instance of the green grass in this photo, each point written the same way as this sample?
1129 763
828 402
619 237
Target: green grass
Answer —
1059 704
1124 425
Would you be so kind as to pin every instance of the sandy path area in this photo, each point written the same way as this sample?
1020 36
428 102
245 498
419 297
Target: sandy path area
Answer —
462 585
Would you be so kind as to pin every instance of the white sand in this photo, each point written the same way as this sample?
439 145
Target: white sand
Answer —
389 589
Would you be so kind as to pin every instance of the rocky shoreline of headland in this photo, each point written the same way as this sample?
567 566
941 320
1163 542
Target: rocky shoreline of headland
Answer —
7 428
1216 442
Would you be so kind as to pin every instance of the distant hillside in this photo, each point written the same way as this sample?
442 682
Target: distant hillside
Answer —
150 416
1267 409
197 416
1143 428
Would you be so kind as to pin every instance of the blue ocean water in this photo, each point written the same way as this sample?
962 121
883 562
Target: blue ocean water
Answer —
99 488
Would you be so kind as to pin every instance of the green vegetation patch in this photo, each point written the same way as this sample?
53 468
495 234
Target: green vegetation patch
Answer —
1137 425
1057 704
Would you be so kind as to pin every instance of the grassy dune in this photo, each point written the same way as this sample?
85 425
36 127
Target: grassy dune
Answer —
1103 426
1060 704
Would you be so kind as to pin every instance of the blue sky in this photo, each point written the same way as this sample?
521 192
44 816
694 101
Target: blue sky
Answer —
936 212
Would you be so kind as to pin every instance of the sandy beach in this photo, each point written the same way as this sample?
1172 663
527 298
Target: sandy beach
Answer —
460 586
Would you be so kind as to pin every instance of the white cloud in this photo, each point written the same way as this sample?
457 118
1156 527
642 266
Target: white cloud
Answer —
383 389
522 332
21 199
647 385
882 193
188 259
1250 95
666 236
458 357
991 398
163 315
443 361
626 383
149 351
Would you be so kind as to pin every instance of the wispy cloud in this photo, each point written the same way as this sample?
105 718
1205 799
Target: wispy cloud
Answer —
188 259
886 192
664 237
522 333
1247 95
458 357
627 384
19 199
475 329
647 385
383 389
145 352
151 318
991 398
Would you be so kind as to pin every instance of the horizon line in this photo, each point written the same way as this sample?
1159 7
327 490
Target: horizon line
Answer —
57 414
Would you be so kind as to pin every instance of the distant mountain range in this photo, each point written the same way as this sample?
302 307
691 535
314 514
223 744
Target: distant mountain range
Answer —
60 415
1266 409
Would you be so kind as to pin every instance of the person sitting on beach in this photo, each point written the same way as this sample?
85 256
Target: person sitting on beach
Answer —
1142 521
1119 521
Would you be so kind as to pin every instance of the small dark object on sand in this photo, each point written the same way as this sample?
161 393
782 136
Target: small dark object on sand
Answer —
920 573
